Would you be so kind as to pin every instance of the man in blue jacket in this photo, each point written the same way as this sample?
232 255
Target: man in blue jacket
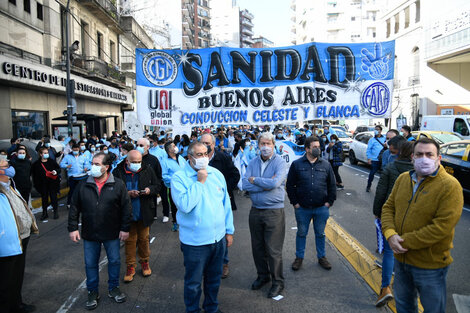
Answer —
374 146
205 226
311 188
264 180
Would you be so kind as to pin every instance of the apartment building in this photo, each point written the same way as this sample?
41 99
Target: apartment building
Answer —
246 29
196 20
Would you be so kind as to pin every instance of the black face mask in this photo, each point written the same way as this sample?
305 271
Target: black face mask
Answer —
315 152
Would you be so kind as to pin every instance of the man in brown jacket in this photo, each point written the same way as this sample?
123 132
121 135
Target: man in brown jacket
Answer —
419 220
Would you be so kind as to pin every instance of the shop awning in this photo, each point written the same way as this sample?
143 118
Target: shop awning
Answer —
83 117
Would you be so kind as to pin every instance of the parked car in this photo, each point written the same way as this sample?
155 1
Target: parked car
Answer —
450 123
441 137
345 140
339 127
455 159
358 147
371 128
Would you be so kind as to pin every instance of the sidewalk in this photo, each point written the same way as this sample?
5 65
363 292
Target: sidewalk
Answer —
311 289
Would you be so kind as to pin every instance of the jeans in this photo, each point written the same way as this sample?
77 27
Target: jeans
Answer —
267 230
203 262
303 217
430 284
339 181
387 265
226 256
138 238
165 203
92 250
375 167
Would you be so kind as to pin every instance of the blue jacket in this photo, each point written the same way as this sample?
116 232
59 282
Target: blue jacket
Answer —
374 147
204 211
170 167
10 242
78 164
267 191
388 158
158 152
311 185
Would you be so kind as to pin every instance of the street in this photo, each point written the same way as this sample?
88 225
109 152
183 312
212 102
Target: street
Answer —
55 276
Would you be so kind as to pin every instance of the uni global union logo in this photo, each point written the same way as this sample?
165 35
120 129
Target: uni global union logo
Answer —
376 99
159 68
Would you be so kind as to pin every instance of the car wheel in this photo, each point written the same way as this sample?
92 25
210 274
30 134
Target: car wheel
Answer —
352 157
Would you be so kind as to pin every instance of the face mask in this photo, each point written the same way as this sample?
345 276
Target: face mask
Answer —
47 145
324 139
376 132
248 143
333 140
315 152
424 166
105 151
401 134
141 150
93 149
21 156
85 140
75 152
96 171
135 167
45 156
10 172
266 151
82 148
98 145
104 137
279 135
326 131
201 163
3 157
176 150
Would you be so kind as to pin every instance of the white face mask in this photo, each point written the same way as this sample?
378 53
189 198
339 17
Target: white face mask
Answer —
266 151
96 171
176 150
201 163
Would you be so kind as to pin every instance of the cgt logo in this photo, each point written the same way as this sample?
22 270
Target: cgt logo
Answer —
376 99
159 68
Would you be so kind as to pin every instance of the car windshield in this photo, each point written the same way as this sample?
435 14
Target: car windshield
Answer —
445 138
341 134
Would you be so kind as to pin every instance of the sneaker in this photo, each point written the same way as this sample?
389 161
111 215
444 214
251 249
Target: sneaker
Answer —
44 216
225 271
146 271
175 227
384 297
92 301
339 187
165 219
368 189
297 264
324 263
117 295
130 272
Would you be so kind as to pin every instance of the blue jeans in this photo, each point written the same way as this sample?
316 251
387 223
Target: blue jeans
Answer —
375 167
92 251
226 256
429 284
303 217
387 265
203 262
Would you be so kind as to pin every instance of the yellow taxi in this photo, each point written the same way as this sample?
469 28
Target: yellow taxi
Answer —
440 137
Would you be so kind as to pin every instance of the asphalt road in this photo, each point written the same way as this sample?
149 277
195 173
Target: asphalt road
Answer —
353 211
54 279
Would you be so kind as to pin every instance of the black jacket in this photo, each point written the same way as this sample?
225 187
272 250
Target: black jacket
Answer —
40 181
147 178
104 215
23 173
151 160
386 182
311 185
224 164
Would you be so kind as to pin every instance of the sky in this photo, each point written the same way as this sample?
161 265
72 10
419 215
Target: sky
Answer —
272 19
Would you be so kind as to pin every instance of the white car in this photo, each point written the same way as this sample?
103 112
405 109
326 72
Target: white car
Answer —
358 147
345 140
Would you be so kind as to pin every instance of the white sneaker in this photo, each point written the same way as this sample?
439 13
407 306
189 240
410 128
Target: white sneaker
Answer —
165 219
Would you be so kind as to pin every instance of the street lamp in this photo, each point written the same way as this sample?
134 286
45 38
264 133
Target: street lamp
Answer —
70 84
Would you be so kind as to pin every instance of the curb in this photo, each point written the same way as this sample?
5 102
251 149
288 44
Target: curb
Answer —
37 203
358 256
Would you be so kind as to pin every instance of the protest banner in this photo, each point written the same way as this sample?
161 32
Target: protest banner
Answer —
262 86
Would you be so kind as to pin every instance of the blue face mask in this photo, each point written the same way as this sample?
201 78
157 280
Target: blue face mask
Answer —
82 148
10 172
141 150
45 156
47 145
105 151
21 156
376 132
96 171
93 149
75 152
135 167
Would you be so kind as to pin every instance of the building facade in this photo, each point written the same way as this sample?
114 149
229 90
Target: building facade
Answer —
246 29
225 20
32 56
261 42
196 23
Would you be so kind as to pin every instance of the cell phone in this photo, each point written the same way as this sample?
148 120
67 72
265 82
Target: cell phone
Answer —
142 191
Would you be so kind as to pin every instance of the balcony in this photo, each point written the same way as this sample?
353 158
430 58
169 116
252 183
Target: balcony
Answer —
135 32
247 22
247 32
105 11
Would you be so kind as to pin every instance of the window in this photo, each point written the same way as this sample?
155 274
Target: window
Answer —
84 37
112 50
353 18
27 5
29 124
457 150
39 11
63 16
461 127
99 42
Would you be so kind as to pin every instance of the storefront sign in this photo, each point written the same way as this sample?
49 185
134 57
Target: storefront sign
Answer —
24 72
264 86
